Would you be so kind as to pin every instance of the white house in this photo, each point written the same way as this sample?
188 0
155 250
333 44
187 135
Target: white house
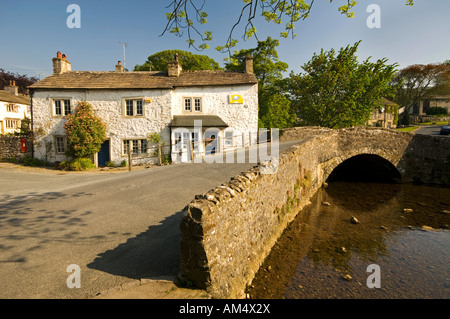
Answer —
13 108
186 108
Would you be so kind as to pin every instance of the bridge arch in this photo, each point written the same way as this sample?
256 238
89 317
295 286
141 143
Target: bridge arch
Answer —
364 167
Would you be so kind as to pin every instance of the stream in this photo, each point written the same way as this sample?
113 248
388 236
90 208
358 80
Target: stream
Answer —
363 240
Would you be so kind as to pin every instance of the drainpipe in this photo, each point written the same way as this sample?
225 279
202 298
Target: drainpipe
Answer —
31 91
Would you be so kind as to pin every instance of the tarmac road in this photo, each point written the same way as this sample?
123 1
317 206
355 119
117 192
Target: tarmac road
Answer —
118 228
429 130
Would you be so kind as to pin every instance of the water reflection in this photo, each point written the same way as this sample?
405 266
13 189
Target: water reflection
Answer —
322 254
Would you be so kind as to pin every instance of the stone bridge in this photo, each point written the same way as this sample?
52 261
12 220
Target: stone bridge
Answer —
227 233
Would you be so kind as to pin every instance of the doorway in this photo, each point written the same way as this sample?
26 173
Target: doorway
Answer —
104 153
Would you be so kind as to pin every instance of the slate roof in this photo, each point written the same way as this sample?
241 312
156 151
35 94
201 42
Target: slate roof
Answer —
188 121
6 96
142 80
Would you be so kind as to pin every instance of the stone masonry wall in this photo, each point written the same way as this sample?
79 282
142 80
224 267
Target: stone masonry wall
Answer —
10 148
227 233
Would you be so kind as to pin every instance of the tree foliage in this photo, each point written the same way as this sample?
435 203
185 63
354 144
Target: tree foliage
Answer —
338 91
418 80
266 64
188 60
190 15
22 81
274 106
275 110
85 132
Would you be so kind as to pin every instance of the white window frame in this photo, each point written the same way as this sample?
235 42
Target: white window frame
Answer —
12 108
12 124
192 104
139 146
58 145
62 101
135 107
187 104
228 143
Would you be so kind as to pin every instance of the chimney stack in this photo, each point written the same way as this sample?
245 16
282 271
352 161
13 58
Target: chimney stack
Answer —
60 64
174 67
12 88
119 67
248 64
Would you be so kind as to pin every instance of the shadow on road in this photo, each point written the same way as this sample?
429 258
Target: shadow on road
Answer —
151 254
24 228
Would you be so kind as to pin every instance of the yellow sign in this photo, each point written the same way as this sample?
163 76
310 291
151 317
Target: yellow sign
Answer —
236 99
148 100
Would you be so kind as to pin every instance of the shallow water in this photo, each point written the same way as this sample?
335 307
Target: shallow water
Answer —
322 254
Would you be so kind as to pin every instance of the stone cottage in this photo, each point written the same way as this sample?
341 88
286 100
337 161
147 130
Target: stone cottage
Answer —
385 115
194 112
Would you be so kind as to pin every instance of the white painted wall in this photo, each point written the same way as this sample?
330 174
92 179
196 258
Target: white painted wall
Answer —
108 105
22 112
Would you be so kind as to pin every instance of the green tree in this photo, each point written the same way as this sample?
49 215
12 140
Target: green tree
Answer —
188 60
418 80
274 106
266 64
85 132
22 81
190 15
275 111
337 91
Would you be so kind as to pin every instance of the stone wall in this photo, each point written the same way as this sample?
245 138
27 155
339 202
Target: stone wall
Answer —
227 233
427 160
10 149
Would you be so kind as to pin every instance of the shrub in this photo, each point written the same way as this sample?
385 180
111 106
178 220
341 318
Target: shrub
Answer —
436 110
33 162
123 163
110 164
85 132
79 164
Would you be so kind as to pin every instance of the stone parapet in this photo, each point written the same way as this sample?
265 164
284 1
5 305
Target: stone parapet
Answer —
227 233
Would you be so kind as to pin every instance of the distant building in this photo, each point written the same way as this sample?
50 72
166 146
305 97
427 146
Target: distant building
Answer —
385 115
194 112
14 107
431 101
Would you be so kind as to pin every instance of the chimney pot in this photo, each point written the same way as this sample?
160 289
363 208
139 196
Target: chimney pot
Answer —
58 54
64 56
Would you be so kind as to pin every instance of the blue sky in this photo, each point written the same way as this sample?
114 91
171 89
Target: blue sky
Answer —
31 33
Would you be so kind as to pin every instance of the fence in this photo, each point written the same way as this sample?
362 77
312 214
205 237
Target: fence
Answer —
188 147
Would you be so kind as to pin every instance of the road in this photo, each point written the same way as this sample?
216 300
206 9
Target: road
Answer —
429 130
116 227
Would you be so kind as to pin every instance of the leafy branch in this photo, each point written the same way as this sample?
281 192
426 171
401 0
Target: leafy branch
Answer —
276 11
